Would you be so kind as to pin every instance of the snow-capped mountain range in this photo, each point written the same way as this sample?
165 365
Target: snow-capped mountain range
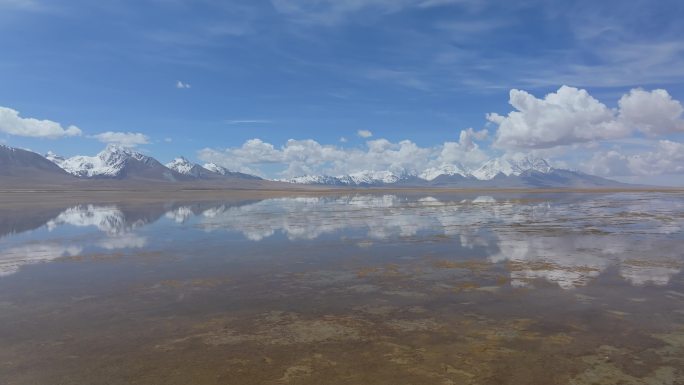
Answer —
209 170
522 172
120 162
490 170
26 168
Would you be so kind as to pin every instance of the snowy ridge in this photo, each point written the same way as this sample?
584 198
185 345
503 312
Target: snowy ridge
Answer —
488 171
213 167
445 169
110 162
373 177
117 161
361 178
181 165
509 167
508 171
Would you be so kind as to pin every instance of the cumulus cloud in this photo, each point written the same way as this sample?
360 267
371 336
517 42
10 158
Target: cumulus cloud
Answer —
465 151
364 133
653 113
570 115
182 85
567 116
666 157
306 157
127 139
13 124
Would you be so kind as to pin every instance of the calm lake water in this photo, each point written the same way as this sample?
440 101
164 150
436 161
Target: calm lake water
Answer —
355 289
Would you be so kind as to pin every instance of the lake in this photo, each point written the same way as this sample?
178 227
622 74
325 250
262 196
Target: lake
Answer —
383 288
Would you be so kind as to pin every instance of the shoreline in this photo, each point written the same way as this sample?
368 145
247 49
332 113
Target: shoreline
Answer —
52 196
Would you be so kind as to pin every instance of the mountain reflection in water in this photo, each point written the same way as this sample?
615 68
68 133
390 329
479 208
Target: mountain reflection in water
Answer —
566 240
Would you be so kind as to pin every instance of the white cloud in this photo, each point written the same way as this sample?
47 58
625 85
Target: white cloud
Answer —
608 163
306 157
465 151
128 139
666 157
12 259
570 115
653 113
181 85
567 116
343 139
11 123
364 133
123 241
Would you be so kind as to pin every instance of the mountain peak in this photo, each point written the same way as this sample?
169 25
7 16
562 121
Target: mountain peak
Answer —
506 166
213 167
445 169
114 151
513 166
182 165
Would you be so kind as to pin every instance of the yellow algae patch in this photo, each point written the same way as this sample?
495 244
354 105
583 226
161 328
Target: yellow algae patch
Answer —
546 266
472 265
198 282
366 271
416 325
465 286
278 328
389 270
305 368
666 263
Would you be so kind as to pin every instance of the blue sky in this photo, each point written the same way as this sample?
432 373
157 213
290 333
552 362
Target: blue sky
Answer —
202 78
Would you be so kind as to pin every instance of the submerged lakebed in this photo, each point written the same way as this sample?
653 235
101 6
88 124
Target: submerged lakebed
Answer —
552 288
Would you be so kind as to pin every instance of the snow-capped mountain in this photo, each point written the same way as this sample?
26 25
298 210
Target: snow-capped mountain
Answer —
20 167
489 170
498 172
445 169
208 171
316 179
361 178
185 167
508 167
220 170
213 167
114 162
117 162
373 177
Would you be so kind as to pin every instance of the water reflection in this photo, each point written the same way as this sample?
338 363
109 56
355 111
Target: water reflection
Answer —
567 240
13 258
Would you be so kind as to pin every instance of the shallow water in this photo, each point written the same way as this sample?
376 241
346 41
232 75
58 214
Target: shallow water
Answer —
355 289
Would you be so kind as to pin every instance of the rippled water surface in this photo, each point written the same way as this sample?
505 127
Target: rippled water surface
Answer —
354 289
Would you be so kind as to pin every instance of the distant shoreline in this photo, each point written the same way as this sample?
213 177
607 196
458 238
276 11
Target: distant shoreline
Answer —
45 196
